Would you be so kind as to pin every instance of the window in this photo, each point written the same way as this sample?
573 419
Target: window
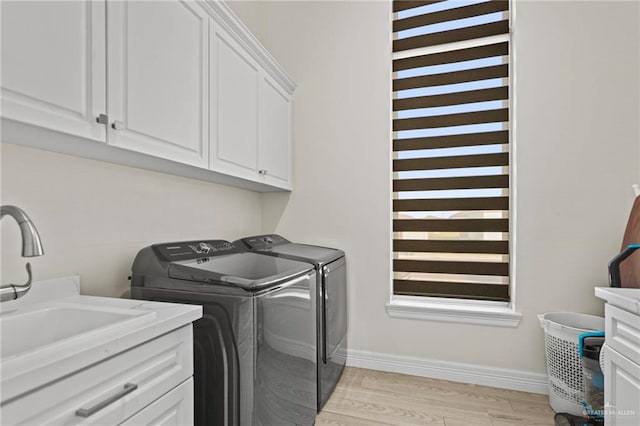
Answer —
451 149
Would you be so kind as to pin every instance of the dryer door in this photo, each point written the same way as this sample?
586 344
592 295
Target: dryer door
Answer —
286 381
332 342
334 283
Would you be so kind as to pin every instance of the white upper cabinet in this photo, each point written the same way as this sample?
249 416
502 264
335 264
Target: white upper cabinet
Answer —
175 86
53 65
234 78
157 69
274 132
250 115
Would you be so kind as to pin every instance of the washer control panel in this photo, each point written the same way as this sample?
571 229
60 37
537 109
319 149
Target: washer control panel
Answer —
188 250
264 242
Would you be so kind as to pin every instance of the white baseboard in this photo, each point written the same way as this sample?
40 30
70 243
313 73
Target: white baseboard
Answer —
445 370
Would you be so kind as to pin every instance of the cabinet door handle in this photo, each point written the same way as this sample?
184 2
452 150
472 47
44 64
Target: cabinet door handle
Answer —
86 412
102 119
117 125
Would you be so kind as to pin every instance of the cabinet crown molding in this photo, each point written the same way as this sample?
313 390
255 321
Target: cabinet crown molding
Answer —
225 17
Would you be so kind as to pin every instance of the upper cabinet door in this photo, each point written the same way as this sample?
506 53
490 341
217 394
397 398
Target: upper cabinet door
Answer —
157 79
53 65
274 133
233 107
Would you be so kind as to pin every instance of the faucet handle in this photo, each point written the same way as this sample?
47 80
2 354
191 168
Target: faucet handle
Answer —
28 267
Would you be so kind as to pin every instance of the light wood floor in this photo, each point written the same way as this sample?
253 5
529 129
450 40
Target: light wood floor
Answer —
368 397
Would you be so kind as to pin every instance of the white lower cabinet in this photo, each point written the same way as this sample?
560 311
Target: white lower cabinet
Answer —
123 386
622 390
173 409
621 356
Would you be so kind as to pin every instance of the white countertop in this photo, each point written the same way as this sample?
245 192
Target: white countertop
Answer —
624 298
37 367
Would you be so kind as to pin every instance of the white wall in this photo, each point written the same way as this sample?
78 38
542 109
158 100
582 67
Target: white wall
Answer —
577 137
93 217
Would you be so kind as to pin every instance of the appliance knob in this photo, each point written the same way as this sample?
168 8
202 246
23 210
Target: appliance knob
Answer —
204 248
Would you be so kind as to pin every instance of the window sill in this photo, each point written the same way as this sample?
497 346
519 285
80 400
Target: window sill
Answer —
449 310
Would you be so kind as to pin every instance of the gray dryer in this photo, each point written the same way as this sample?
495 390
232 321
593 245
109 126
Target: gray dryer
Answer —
331 293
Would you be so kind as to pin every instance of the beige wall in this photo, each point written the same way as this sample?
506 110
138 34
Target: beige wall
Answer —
577 138
93 217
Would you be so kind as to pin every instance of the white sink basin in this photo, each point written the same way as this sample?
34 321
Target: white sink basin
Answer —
28 330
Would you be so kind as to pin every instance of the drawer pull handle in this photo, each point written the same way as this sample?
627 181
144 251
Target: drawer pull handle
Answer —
86 412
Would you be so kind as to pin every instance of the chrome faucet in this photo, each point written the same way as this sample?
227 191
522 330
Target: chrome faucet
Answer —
31 246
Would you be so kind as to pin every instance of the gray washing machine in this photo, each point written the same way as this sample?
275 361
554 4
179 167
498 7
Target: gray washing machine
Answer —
331 293
255 346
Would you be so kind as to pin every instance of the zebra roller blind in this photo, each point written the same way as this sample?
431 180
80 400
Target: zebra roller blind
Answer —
451 149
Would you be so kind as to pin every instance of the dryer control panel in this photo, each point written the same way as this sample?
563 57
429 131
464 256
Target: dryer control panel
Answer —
189 250
264 242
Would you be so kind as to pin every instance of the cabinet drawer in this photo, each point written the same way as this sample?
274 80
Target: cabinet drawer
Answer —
107 388
173 409
623 332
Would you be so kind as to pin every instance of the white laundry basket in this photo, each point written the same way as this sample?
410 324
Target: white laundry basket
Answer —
564 367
